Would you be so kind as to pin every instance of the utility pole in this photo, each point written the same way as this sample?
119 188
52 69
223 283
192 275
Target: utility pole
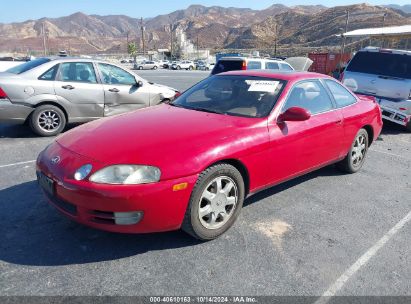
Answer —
275 40
171 41
43 29
347 18
383 25
142 36
198 50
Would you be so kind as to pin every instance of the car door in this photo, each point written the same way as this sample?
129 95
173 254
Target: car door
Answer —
121 90
316 141
348 105
77 87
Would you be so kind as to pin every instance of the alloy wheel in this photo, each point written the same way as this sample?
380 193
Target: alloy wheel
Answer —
358 151
49 121
218 202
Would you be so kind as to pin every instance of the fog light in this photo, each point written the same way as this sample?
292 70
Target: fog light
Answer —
82 172
127 218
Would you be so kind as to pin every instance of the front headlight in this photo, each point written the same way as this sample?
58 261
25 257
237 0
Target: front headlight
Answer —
126 175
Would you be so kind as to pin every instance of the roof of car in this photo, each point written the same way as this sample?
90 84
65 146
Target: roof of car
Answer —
68 58
284 75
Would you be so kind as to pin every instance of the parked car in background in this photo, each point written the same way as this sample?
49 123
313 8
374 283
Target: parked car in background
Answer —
231 135
9 62
386 75
226 64
146 65
163 64
50 92
205 66
183 65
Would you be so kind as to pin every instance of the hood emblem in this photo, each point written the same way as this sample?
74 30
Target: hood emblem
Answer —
55 160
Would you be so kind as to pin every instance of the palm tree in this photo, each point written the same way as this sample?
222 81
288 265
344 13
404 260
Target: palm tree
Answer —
132 50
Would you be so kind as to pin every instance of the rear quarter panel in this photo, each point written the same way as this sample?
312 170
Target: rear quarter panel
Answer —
365 112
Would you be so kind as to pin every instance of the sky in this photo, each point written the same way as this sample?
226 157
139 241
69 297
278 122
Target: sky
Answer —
16 11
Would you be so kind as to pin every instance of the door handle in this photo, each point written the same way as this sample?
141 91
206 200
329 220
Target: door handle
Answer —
68 87
338 122
114 90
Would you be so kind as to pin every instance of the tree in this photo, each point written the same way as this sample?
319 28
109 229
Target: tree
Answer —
132 50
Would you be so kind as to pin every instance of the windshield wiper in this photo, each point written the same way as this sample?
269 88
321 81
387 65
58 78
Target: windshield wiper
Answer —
196 108
205 110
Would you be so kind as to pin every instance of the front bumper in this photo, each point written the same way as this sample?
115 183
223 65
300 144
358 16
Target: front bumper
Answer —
391 114
13 113
98 205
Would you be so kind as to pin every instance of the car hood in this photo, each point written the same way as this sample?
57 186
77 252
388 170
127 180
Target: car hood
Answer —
161 86
158 136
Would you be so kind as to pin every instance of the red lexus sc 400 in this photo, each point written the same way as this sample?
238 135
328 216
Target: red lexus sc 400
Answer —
190 164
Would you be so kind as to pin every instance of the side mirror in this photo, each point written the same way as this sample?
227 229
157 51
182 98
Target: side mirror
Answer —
294 114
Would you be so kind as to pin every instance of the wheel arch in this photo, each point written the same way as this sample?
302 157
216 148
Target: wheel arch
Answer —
53 103
239 165
370 132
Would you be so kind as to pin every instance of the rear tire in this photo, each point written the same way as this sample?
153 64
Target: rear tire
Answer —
215 202
47 120
408 127
354 160
179 68
155 68
140 68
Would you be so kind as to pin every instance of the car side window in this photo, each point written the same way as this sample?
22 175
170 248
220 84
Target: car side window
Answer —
310 95
50 74
285 67
341 95
78 72
272 66
254 65
114 75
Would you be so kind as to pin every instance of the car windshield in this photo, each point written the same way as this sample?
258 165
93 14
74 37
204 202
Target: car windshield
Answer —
246 96
24 67
383 64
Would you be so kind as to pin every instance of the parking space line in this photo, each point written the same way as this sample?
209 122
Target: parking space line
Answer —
16 164
392 154
338 285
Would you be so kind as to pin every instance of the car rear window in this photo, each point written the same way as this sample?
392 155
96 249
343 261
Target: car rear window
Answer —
24 67
384 64
227 65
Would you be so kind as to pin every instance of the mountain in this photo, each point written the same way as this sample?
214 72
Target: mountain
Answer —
213 27
405 8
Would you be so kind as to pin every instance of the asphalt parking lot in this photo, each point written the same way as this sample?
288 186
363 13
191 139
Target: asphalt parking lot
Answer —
327 231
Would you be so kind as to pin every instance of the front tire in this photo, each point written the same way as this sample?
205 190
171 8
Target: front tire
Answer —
408 127
354 160
215 202
47 120
179 68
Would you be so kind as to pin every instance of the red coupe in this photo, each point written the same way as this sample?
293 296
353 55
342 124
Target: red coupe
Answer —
191 164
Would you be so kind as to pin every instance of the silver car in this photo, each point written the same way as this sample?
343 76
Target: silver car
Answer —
386 75
147 65
49 93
